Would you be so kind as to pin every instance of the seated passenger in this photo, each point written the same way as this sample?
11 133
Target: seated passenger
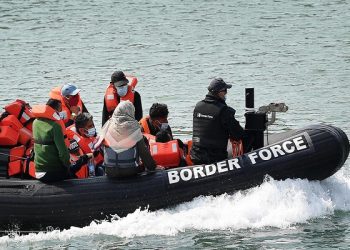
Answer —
84 132
124 144
51 155
72 105
78 168
157 120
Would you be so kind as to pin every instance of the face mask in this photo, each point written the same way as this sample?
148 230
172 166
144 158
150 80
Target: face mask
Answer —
122 90
63 115
73 101
91 132
225 97
164 126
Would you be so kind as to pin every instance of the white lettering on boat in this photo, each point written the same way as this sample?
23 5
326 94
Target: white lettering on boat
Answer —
285 148
202 171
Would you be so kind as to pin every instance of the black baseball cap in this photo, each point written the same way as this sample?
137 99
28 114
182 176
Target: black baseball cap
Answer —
217 85
119 78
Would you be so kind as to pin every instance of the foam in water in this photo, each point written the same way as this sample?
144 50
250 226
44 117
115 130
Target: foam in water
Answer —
279 204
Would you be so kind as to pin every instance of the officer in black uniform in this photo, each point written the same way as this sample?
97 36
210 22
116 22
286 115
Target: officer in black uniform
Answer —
213 124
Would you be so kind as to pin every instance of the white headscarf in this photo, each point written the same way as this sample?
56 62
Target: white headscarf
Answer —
122 131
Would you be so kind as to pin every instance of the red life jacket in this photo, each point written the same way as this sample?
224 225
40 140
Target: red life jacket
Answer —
86 144
83 171
22 111
10 129
188 158
15 137
55 93
166 154
111 96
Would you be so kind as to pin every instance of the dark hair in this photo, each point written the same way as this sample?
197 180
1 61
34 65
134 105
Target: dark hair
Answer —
158 110
53 103
163 136
82 119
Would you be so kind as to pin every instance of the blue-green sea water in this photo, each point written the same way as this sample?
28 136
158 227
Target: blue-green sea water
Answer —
297 52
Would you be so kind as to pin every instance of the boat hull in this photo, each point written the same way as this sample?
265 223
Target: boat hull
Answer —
314 153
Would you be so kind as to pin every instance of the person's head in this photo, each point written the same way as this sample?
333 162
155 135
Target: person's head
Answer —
124 108
163 136
120 82
70 94
218 87
55 104
85 125
158 114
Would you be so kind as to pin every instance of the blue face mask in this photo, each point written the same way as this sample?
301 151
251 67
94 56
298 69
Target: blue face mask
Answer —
225 97
164 126
122 91
91 132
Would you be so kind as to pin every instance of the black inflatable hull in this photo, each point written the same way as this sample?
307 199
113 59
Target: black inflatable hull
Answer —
315 153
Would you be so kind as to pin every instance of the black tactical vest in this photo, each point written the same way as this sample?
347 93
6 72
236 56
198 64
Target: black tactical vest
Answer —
207 128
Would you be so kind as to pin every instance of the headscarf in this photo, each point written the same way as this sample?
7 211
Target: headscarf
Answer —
122 131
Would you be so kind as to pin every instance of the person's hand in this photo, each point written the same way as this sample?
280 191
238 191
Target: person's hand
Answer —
89 155
75 110
159 167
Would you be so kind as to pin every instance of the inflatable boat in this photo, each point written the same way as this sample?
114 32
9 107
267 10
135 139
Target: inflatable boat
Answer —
315 152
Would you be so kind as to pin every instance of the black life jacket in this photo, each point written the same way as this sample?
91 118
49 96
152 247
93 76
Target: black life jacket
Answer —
208 131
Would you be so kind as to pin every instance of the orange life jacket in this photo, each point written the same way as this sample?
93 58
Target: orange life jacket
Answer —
55 93
83 172
28 164
150 138
8 136
12 158
86 144
166 154
111 96
45 111
144 124
21 110
188 158
24 135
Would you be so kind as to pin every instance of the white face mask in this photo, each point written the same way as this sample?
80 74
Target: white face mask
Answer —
122 91
164 126
91 132
63 115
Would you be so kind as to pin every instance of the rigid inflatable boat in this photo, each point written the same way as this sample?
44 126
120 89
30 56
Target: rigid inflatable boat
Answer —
314 152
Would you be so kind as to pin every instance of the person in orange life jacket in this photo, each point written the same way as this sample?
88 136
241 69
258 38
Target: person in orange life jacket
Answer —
213 124
157 120
78 159
84 132
119 90
123 144
72 104
51 155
